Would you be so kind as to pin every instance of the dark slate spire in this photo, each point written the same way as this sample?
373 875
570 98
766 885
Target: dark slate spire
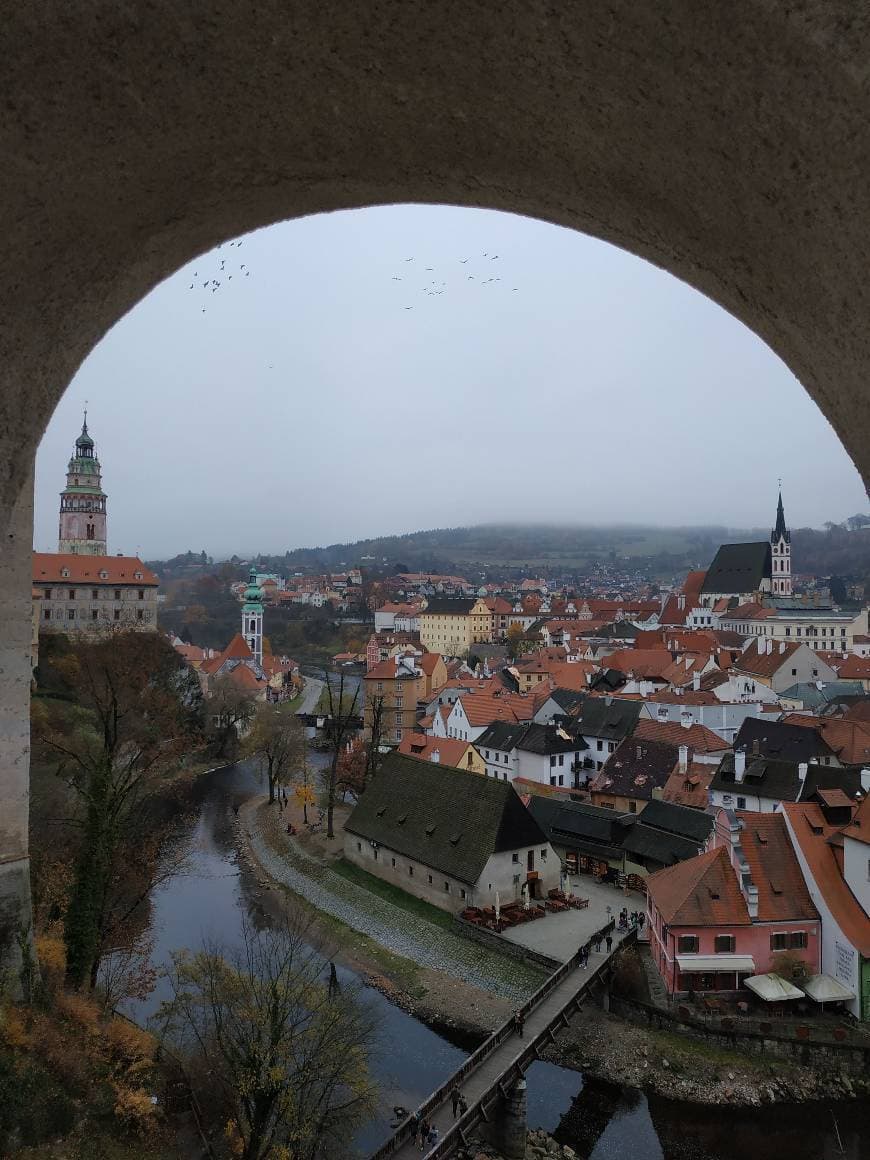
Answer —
780 530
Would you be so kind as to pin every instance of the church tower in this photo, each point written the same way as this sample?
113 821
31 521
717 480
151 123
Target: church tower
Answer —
252 617
82 528
780 550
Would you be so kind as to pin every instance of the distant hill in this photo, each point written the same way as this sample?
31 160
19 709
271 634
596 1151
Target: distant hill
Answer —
508 550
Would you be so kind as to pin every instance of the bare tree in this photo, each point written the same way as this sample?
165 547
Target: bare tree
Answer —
279 740
338 726
376 732
279 1055
231 711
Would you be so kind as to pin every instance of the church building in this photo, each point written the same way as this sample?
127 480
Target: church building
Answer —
753 571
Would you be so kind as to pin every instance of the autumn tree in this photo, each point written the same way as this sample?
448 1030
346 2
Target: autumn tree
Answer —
514 640
281 1058
230 710
352 768
339 724
279 740
137 709
376 733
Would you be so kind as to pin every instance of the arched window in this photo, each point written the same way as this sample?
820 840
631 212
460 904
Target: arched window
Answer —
90 531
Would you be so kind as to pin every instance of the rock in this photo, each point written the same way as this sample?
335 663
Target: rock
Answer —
665 1063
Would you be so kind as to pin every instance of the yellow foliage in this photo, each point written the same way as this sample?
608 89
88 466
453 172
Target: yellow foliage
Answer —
134 1109
129 1044
51 954
13 1028
79 1010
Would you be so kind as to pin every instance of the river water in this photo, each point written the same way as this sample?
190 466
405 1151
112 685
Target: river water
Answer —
600 1121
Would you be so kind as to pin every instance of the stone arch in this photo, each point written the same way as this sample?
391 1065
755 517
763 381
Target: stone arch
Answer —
730 149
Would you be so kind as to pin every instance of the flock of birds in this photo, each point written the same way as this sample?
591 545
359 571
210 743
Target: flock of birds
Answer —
213 282
435 287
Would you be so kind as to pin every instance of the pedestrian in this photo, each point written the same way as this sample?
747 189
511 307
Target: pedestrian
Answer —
463 1106
433 1135
424 1134
334 987
641 919
519 1022
608 942
454 1099
598 944
416 1121
609 912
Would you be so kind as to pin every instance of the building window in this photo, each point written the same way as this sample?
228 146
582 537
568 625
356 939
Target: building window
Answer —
687 944
779 942
544 855
117 593
141 593
552 760
552 779
410 871
447 887
561 758
71 615
430 879
515 857
139 614
461 893
741 803
95 594
359 845
599 745
46 615
94 614
797 940
516 879
47 594
72 594
117 614
393 861
561 779
724 944
632 807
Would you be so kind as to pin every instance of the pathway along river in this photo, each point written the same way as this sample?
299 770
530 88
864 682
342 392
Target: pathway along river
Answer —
599 1121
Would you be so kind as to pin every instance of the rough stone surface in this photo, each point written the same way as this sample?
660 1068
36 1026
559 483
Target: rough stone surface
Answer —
397 930
15 635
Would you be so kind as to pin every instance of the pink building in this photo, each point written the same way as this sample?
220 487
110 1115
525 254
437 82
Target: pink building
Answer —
718 918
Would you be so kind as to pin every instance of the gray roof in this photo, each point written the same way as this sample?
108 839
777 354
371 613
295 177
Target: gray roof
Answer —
780 780
445 818
579 824
545 739
814 697
568 699
681 820
611 719
738 569
450 605
780 740
644 842
636 768
502 735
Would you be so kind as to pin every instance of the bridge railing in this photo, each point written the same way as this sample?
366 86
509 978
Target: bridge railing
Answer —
404 1132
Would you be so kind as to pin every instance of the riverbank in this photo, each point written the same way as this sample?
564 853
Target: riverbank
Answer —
678 1068
447 982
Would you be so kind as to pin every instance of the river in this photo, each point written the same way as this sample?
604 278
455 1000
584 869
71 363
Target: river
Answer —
603 1122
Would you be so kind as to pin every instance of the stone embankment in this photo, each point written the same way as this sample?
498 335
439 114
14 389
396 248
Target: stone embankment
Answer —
678 1068
466 986
539 1146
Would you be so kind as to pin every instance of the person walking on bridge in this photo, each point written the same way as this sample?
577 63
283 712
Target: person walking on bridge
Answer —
519 1023
454 1099
608 942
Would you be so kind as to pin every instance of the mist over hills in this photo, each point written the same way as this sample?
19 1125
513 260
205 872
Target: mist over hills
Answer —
505 550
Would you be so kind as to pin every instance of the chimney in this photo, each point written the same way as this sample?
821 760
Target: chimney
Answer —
761 648
769 646
684 758
739 764
696 682
756 747
435 756
751 895
781 647
802 772
865 780
686 719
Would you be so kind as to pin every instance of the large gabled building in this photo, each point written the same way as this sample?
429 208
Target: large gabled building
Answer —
82 594
449 836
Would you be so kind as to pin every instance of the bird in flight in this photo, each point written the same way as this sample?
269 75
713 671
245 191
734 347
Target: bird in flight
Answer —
409 259
494 258
409 307
396 278
463 260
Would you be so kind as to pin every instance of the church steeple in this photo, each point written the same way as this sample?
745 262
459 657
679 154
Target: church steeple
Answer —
82 526
252 617
780 553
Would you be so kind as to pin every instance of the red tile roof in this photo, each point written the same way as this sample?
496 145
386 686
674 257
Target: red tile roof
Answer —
765 664
854 668
701 891
782 891
813 835
48 568
859 827
450 751
643 662
698 737
690 787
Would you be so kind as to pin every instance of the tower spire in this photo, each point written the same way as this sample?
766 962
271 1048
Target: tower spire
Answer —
780 542
82 525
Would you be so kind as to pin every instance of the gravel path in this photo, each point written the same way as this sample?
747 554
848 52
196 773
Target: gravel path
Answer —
395 929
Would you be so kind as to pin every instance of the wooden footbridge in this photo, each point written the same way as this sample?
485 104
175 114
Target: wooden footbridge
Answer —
487 1076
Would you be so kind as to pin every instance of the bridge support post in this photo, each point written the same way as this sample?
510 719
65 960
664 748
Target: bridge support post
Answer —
511 1126
16 626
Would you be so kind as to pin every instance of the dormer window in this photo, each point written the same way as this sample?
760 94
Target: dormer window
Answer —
65 573
104 575
137 575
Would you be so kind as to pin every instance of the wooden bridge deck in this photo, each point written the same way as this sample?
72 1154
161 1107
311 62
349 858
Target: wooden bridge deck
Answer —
500 1060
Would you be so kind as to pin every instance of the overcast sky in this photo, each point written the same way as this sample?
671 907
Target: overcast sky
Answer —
307 405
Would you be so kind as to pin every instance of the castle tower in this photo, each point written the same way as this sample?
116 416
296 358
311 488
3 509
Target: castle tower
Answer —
252 617
82 527
780 550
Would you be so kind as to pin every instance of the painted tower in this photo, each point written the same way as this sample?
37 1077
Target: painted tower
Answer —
780 549
82 528
252 617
